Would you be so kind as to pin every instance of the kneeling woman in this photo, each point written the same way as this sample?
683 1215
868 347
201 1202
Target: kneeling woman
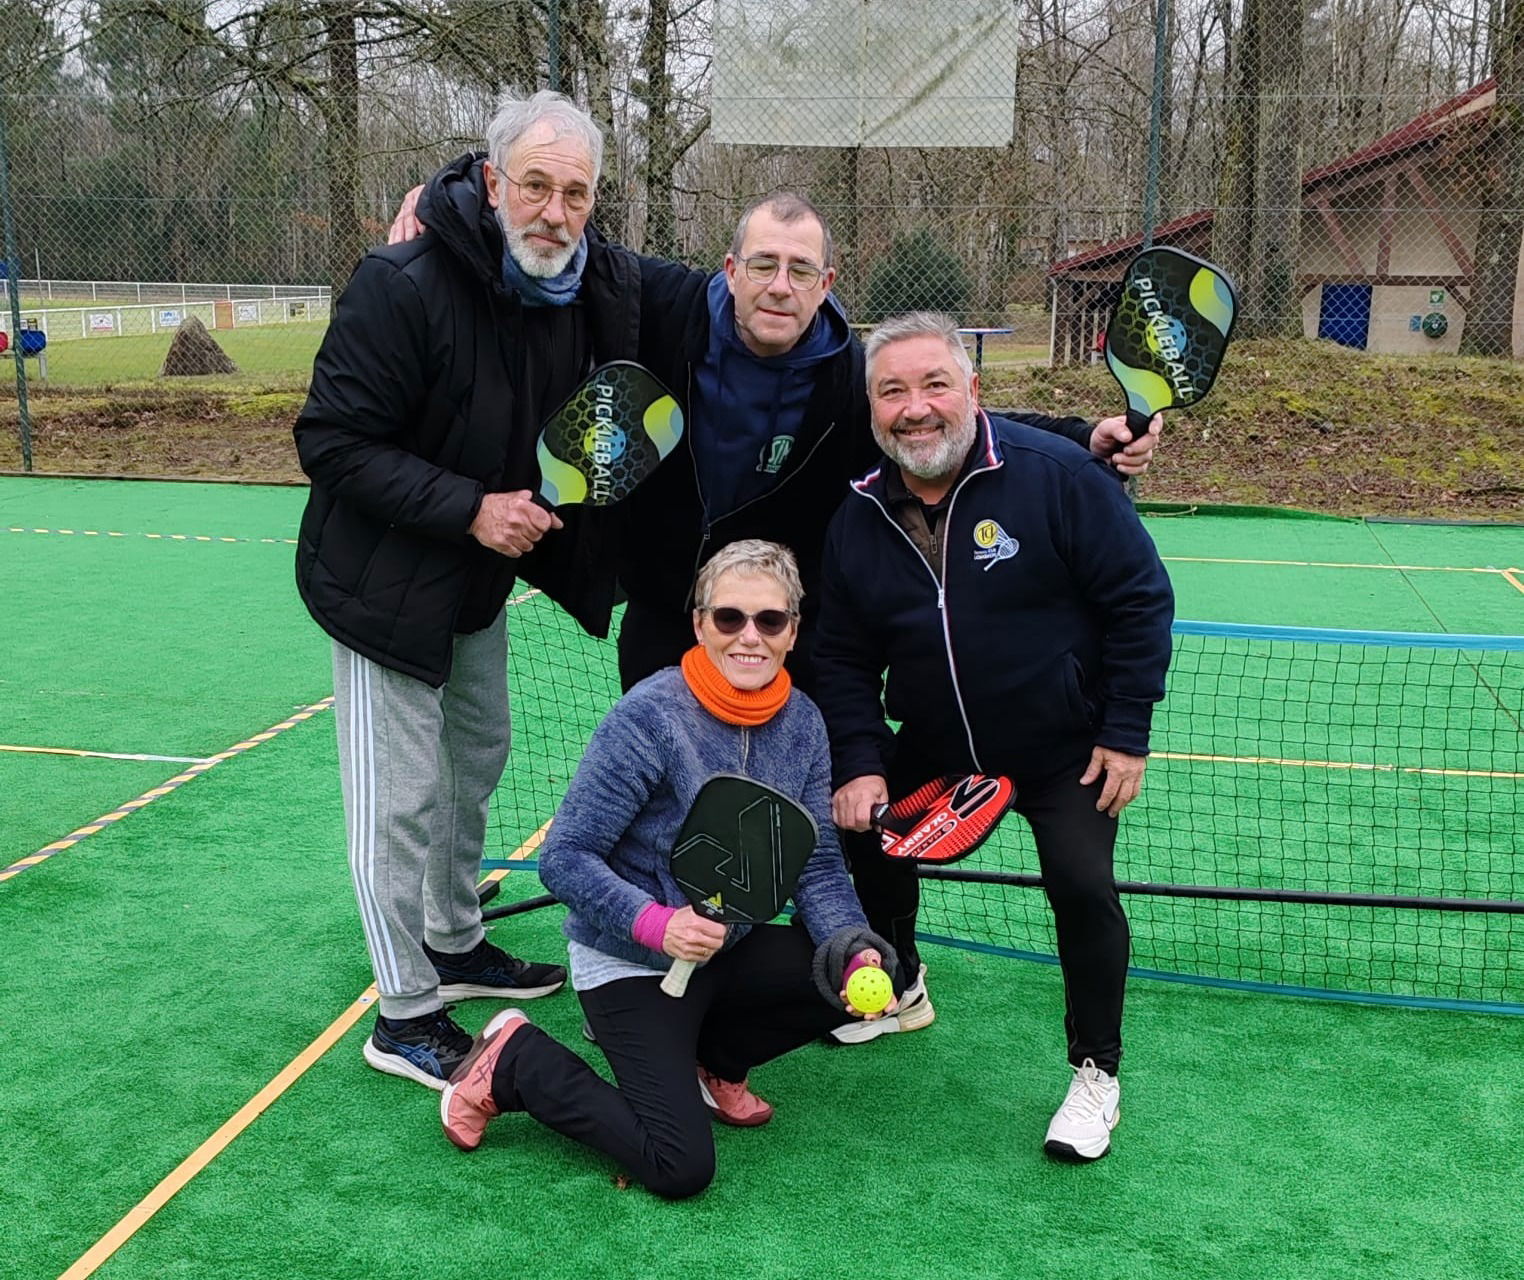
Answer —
760 991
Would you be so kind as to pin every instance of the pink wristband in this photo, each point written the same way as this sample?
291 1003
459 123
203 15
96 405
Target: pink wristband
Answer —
857 963
650 929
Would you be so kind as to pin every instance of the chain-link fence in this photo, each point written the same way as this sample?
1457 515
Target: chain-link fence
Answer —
1348 163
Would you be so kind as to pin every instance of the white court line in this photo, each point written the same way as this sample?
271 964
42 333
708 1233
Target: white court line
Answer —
105 755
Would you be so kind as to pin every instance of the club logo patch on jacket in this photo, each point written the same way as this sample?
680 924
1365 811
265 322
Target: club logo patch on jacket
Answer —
774 454
992 544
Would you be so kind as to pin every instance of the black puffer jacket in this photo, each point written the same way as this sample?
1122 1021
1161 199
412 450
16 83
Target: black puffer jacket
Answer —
421 403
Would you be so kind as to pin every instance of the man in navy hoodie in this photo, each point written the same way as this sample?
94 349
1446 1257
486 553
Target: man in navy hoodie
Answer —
991 588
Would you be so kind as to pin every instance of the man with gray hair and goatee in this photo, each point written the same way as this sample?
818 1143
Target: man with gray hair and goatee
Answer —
444 358
990 587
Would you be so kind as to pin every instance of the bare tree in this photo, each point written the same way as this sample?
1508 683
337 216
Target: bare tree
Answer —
1489 319
1256 230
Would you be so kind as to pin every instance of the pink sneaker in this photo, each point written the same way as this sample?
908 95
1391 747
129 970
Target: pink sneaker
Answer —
466 1104
732 1103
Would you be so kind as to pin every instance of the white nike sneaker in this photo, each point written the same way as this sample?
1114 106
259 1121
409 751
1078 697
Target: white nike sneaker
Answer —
1081 1128
914 1012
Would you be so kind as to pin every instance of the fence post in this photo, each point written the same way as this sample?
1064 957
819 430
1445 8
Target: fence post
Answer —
13 274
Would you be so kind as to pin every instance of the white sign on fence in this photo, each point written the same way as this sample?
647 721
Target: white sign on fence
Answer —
248 313
849 73
169 317
102 321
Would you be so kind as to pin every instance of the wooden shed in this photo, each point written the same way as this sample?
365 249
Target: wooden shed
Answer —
1388 236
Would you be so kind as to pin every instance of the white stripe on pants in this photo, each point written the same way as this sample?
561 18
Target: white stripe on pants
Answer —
419 766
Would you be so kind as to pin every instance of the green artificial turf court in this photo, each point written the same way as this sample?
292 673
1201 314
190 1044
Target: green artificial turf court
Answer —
159 973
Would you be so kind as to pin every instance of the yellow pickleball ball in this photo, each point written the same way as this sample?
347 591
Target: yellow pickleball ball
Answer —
869 989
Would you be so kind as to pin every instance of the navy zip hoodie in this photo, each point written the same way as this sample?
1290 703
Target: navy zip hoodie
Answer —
748 412
1047 634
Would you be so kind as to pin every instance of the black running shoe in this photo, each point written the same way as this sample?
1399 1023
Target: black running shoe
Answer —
426 1049
489 971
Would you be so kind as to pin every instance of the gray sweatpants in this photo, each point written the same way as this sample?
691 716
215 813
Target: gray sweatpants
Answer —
419 766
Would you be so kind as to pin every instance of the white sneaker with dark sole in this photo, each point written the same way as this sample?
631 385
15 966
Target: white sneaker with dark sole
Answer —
915 1012
1082 1125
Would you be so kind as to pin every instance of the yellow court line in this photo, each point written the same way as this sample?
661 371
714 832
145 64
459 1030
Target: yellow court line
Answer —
163 789
1336 764
133 1220
1513 576
1334 564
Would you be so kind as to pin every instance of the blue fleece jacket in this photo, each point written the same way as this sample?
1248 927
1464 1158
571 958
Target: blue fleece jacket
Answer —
747 413
606 856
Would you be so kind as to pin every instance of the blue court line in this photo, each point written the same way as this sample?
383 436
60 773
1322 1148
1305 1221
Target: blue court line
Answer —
1241 984
1330 635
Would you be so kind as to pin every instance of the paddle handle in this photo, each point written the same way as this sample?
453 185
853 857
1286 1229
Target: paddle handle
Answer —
676 981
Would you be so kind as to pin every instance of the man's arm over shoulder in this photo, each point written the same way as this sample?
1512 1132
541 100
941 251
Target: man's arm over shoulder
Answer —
1121 576
1072 428
669 291
849 666
370 382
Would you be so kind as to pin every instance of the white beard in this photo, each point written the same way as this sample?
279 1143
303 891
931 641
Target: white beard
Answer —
936 459
534 260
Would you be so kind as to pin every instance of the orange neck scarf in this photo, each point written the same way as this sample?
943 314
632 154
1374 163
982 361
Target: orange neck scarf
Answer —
724 701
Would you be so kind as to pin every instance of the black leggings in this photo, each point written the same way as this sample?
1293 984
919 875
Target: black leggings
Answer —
1074 852
748 1005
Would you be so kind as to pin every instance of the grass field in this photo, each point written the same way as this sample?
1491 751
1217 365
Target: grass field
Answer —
281 354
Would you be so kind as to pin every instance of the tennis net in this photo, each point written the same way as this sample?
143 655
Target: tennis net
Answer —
1329 811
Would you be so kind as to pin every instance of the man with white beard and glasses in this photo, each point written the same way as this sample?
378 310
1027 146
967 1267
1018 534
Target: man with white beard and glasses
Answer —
443 360
990 587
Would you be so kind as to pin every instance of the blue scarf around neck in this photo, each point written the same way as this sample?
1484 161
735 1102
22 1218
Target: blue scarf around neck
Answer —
548 291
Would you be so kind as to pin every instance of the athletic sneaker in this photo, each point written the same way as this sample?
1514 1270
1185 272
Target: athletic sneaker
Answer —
487 970
426 1049
732 1103
467 1104
914 1012
1081 1128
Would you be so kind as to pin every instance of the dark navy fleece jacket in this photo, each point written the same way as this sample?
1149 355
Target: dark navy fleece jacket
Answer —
1047 634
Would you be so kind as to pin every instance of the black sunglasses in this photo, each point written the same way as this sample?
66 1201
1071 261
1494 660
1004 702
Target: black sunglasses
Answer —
729 621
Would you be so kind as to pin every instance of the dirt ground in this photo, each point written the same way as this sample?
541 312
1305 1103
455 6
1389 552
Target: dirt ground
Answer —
1301 425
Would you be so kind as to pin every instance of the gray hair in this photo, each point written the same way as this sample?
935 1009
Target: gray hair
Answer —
788 207
918 324
517 116
751 558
